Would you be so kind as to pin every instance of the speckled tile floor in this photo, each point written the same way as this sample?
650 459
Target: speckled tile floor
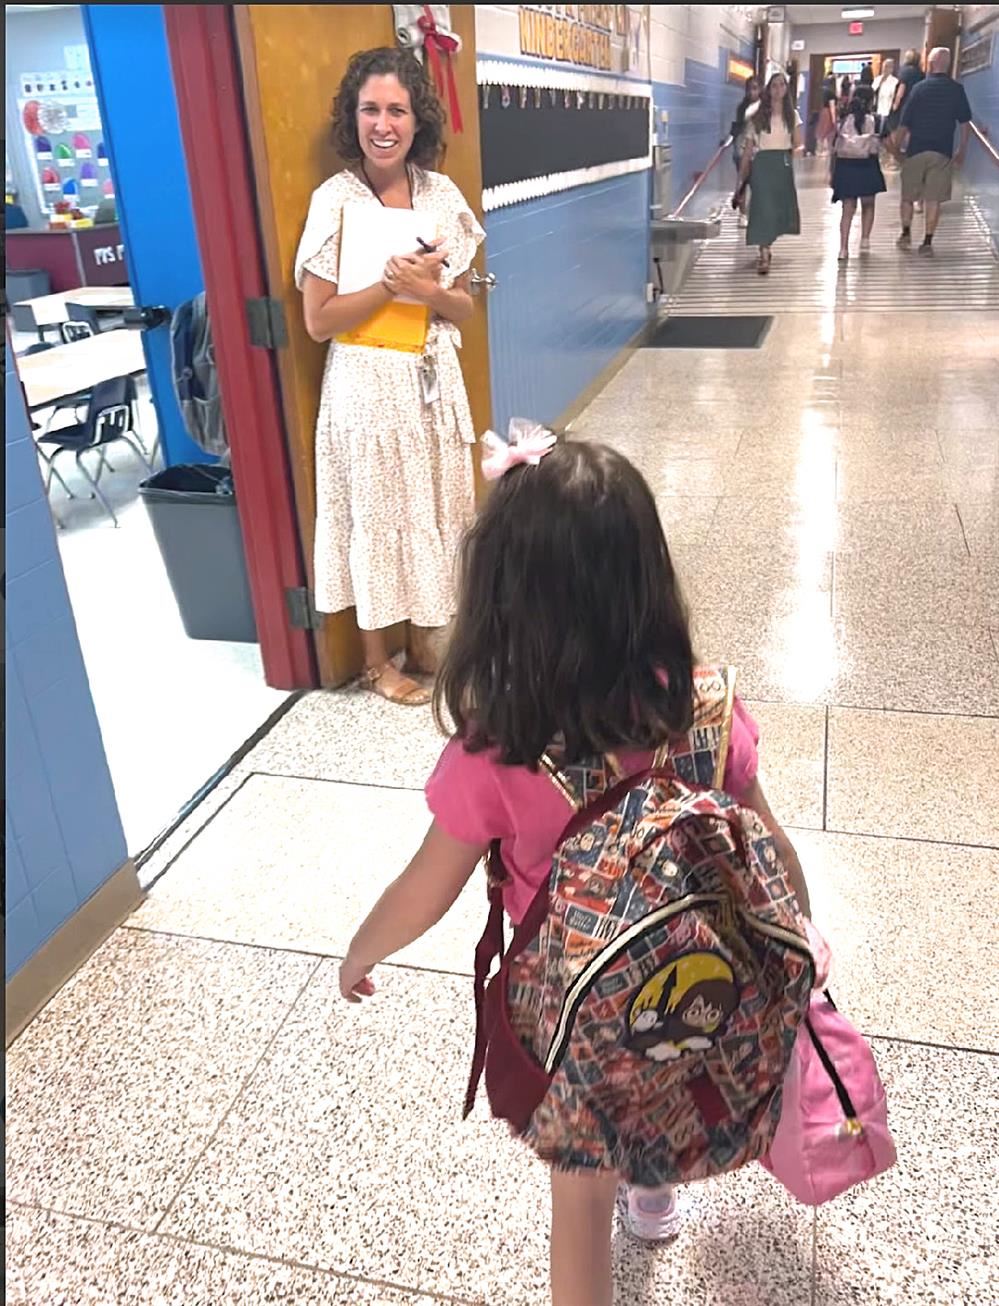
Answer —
196 1120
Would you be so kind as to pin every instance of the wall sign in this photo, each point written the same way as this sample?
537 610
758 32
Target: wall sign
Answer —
545 130
577 34
739 70
977 57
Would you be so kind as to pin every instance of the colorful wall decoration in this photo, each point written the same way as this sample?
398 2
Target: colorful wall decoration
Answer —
61 119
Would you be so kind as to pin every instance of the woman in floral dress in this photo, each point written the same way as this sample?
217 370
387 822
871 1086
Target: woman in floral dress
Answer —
394 484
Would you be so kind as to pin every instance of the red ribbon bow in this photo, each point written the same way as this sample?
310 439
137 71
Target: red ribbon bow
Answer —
439 47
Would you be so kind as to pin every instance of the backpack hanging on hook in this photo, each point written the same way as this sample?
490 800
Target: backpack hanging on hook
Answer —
428 28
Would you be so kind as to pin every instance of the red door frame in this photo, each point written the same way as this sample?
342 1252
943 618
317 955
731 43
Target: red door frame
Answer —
210 105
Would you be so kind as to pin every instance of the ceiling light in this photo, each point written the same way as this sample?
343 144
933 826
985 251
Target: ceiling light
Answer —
857 13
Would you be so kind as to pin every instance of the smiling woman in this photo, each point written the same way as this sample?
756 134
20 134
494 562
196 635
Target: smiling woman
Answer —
394 480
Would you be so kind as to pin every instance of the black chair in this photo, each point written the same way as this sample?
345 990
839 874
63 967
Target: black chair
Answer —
73 403
82 313
110 419
71 332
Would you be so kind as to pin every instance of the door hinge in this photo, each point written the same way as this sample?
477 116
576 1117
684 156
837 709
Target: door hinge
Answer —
301 611
268 327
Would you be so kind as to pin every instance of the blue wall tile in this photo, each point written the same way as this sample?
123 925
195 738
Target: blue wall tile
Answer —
55 900
700 114
571 271
63 832
27 534
15 879
22 935
980 175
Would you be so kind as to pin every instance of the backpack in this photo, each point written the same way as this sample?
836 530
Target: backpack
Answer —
645 1013
195 379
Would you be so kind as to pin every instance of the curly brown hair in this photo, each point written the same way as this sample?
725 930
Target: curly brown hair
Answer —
427 149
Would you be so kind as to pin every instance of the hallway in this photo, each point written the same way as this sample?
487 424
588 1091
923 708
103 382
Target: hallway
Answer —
198 1119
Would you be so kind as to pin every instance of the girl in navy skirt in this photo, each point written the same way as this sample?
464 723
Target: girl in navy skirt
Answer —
856 172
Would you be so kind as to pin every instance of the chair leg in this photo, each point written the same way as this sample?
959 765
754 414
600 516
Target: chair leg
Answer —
104 461
138 451
53 472
97 489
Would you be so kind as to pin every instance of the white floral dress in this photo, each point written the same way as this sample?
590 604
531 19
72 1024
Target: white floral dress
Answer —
394 486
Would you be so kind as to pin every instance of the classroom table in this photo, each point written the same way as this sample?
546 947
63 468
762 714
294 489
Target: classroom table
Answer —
67 370
52 310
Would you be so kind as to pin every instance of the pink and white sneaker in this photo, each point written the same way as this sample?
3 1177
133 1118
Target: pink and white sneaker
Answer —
650 1214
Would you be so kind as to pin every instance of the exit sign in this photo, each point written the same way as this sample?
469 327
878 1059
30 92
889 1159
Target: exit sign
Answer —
856 29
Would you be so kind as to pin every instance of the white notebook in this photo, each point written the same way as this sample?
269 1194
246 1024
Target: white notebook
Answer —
370 236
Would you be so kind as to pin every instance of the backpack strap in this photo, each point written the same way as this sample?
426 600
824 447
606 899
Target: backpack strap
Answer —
702 755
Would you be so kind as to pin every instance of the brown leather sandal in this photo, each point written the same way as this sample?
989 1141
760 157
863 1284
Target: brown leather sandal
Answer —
415 697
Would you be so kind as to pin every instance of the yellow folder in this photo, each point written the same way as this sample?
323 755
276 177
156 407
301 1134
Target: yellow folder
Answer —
369 237
396 326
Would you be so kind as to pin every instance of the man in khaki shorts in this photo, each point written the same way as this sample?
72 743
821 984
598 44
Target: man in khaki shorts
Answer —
930 114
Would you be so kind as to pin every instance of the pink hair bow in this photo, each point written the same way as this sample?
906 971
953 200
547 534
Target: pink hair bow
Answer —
526 442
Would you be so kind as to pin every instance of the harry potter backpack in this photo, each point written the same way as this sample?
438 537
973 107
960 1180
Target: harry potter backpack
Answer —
644 1016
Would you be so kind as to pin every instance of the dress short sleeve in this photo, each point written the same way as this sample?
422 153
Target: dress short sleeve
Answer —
462 232
319 248
465 799
743 760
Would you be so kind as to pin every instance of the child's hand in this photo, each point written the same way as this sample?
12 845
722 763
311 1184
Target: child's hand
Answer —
355 981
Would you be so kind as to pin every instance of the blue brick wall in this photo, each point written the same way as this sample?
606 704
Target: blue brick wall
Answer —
981 176
571 269
571 272
700 114
63 833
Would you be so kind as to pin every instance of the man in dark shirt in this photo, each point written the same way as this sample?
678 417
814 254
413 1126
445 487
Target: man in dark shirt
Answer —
930 113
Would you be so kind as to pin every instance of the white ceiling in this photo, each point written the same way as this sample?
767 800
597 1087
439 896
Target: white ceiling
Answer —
800 14
30 9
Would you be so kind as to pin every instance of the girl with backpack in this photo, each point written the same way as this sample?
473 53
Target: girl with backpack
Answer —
572 685
856 171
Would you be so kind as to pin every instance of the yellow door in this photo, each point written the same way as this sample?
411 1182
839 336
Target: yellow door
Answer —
293 57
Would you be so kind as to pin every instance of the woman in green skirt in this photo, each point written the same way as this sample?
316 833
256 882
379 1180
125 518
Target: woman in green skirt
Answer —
771 139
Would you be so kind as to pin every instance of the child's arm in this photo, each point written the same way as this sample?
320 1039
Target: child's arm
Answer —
411 905
755 798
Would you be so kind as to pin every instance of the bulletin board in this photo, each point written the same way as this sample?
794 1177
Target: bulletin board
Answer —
545 130
61 121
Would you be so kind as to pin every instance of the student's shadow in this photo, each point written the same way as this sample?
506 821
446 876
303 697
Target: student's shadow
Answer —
732 1250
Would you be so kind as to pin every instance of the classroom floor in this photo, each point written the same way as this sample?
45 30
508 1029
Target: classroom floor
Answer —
198 1119
198 700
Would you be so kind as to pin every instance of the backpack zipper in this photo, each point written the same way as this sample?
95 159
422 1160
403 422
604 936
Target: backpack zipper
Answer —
586 977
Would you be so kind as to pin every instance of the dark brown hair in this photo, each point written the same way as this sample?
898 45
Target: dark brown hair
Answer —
427 149
765 111
571 627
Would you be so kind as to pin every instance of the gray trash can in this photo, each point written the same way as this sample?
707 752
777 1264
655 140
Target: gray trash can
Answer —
193 511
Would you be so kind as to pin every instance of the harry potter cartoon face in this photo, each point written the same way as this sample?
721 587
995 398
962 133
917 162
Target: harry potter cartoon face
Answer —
683 1007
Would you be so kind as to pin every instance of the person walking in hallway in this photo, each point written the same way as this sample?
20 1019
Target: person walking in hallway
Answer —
930 115
748 107
885 90
771 139
856 172
827 115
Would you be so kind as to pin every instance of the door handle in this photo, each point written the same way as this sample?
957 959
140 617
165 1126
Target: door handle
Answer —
477 279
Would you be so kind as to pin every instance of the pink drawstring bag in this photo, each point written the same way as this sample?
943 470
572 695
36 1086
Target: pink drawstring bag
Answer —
833 1130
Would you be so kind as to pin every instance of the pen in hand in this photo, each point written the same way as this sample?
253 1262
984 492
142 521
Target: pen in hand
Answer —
429 249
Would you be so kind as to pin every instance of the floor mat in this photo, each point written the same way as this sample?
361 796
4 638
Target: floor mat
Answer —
711 333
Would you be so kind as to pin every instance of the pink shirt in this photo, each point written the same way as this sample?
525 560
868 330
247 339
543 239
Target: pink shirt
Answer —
476 799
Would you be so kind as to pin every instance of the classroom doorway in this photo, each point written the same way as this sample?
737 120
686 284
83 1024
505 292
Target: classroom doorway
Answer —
99 240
